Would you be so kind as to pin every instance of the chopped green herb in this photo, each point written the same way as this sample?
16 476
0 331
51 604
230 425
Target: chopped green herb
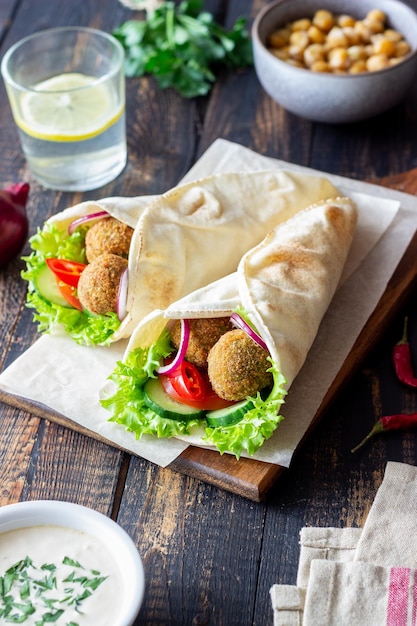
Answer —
183 47
50 618
23 592
68 561
49 566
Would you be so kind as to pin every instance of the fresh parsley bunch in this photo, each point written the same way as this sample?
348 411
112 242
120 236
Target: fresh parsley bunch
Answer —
182 46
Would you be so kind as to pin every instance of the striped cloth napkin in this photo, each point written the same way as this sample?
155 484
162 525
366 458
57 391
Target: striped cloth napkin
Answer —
359 577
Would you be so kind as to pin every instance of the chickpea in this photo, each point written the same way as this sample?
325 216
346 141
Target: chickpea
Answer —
339 59
281 53
336 38
295 53
374 26
303 24
352 35
393 35
382 45
295 63
401 49
345 21
369 49
377 62
324 20
357 53
279 37
313 53
394 61
358 67
300 39
339 43
363 31
376 15
316 35
320 66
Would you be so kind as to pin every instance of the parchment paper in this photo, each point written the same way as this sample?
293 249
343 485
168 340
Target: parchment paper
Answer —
66 377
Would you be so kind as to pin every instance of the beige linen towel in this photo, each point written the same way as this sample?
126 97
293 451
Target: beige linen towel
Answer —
330 544
360 594
361 577
390 532
288 604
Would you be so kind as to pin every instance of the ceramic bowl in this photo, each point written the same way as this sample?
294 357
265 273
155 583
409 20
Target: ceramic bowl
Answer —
326 97
121 548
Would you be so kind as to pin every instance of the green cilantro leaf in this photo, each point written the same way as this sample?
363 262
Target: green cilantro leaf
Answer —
183 47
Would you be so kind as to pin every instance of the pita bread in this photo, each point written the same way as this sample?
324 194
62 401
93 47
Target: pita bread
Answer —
285 284
198 232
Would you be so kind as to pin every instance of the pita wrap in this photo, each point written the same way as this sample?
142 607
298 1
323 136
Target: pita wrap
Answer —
198 232
182 240
282 288
53 241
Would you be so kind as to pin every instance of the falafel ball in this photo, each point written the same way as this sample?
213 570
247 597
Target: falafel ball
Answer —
237 366
203 335
108 235
98 286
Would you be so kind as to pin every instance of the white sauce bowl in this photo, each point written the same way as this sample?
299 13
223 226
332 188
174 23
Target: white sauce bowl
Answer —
120 546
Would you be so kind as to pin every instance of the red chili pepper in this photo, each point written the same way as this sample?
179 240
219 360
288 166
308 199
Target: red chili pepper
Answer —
399 421
402 360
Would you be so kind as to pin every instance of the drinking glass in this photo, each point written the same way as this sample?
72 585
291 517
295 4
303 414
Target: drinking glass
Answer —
66 89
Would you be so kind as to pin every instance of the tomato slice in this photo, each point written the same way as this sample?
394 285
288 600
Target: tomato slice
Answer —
68 272
188 382
69 293
210 402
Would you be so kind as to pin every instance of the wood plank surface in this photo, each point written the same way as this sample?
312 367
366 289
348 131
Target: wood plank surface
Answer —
210 555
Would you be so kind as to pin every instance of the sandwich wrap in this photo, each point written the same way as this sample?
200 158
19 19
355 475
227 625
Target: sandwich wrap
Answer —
55 241
282 288
182 240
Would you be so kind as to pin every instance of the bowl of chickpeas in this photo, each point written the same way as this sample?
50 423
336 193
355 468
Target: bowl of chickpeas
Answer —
336 62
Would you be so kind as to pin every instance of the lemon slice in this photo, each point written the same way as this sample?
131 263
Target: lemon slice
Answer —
67 107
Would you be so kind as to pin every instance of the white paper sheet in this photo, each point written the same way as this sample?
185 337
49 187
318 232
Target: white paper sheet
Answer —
65 377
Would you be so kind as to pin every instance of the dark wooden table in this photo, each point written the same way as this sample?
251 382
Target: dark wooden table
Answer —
210 555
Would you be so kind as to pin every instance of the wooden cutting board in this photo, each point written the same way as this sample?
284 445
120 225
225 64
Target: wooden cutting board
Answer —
247 477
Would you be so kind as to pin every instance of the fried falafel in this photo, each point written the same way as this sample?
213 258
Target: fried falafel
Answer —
237 366
204 333
98 286
108 235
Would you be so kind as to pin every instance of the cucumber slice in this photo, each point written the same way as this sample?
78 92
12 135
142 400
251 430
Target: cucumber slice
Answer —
229 415
159 401
47 287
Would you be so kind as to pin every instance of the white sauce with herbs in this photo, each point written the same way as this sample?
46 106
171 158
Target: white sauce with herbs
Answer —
88 562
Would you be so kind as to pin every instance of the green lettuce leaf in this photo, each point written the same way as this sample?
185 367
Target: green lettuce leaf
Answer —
257 425
127 406
84 327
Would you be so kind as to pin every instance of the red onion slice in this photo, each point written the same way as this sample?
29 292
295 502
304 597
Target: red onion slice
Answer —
99 215
239 322
122 296
179 357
